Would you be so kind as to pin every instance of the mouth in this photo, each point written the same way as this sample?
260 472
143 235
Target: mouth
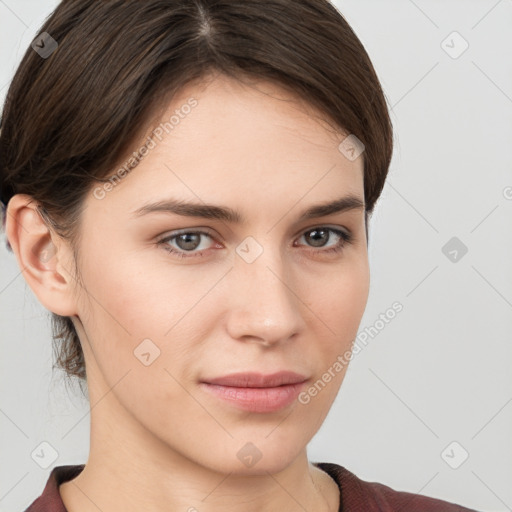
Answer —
256 392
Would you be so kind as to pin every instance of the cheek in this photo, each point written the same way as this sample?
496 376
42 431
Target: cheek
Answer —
127 313
339 297
137 297
338 306
137 313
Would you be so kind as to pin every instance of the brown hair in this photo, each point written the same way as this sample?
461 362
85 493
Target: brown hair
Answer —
70 117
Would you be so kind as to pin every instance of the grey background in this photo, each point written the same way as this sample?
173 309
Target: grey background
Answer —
440 370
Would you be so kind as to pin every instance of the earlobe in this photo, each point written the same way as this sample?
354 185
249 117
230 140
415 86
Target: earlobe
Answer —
41 255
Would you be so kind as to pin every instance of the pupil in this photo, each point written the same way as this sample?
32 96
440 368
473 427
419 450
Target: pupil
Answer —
316 240
188 238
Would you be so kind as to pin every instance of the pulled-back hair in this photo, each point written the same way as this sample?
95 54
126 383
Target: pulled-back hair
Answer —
70 117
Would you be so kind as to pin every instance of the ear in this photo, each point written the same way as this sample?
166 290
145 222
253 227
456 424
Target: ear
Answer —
43 257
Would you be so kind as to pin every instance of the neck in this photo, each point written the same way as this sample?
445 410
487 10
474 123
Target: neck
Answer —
130 469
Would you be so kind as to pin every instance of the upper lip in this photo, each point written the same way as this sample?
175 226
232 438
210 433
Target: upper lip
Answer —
257 380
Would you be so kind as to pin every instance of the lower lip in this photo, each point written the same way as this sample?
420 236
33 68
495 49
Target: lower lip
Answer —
257 399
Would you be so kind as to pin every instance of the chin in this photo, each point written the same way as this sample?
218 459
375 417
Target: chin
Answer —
252 458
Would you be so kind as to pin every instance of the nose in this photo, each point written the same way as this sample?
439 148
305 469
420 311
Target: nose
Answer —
264 306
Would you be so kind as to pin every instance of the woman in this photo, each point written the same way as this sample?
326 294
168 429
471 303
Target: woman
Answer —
166 203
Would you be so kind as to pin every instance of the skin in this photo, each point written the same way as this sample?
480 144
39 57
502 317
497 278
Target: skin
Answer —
209 316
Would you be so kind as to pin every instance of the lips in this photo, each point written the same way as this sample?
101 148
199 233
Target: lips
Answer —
257 380
256 392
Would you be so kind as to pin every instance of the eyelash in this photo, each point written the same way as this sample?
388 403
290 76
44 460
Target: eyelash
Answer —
346 238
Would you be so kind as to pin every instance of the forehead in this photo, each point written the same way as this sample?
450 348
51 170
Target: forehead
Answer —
237 109
222 140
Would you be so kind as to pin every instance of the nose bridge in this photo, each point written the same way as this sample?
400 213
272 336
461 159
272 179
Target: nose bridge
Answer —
260 261
263 299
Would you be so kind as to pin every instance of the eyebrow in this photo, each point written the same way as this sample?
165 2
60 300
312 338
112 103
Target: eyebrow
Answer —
211 211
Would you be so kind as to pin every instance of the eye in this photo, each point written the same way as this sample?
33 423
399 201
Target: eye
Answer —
190 241
318 236
186 241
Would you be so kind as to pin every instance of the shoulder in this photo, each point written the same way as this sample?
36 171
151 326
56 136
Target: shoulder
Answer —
50 500
360 495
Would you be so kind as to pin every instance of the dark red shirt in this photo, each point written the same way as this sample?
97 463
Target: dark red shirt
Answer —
356 495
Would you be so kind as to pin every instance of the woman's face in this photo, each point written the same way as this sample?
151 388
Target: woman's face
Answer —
264 294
